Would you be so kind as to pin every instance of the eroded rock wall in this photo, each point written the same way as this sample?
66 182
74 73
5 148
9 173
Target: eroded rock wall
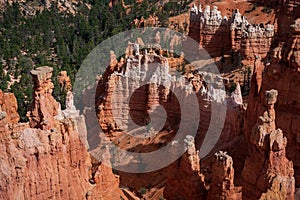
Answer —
219 35
281 74
133 86
50 161
222 183
185 177
268 174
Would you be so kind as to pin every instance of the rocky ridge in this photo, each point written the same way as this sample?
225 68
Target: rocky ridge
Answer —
30 8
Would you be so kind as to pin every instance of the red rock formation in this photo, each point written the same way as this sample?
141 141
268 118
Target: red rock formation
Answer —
219 36
222 185
51 162
144 81
185 180
64 81
8 104
236 38
268 174
282 75
257 42
106 184
44 107
119 82
209 29
42 164
292 54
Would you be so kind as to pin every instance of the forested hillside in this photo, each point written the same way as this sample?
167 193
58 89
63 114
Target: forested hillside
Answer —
63 40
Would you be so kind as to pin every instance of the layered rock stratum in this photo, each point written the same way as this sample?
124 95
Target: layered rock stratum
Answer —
255 157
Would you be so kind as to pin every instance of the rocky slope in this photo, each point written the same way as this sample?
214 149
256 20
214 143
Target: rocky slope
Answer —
30 8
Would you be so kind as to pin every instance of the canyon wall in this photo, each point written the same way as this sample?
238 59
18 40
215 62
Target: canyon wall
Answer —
47 158
268 174
132 88
281 74
219 35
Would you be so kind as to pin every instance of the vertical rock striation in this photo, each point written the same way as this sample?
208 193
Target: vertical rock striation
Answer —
44 107
185 178
268 174
219 35
49 159
281 74
222 183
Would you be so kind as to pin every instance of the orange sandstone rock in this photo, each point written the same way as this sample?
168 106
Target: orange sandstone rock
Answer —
9 107
64 81
49 161
267 152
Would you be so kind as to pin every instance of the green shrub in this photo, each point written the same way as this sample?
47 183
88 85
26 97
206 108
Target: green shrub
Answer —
143 191
232 87
267 10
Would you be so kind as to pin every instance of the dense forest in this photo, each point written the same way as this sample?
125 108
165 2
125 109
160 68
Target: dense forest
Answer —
63 40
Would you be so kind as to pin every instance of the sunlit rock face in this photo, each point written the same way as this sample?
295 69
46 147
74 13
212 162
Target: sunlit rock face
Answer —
283 75
47 158
219 35
134 86
267 152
